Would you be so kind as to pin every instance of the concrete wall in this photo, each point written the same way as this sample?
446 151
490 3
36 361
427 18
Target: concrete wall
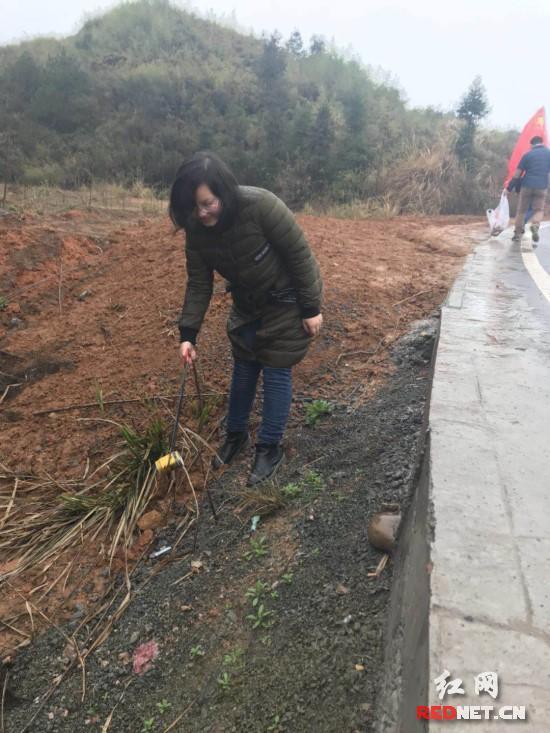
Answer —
404 680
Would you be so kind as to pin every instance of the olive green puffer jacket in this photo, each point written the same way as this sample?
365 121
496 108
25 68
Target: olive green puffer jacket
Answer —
271 273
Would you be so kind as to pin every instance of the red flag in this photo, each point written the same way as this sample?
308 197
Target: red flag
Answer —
535 126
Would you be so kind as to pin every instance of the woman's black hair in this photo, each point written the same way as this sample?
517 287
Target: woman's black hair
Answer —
203 167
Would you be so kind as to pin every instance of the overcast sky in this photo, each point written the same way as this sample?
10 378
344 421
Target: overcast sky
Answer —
433 48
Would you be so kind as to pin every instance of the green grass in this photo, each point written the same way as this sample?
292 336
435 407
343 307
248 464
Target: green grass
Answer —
164 706
291 491
261 618
256 591
143 448
130 470
224 681
275 723
196 651
316 410
209 407
257 548
233 658
311 482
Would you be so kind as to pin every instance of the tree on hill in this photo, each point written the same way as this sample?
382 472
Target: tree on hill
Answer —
472 109
64 100
11 160
317 45
320 159
295 44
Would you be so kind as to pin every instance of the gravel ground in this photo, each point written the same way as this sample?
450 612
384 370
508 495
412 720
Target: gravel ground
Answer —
313 662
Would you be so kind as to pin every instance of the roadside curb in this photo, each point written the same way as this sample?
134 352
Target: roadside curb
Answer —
469 595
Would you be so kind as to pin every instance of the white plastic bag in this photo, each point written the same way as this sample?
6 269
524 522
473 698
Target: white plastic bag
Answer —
499 218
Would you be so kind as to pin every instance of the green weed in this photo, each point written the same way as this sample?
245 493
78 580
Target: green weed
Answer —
163 706
255 592
316 410
3 302
257 548
291 491
224 681
261 618
143 449
147 725
233 658
206 409
275 723
197 651
287 578
314 481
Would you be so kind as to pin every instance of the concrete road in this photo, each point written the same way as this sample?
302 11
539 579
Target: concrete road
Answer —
543 250
490 490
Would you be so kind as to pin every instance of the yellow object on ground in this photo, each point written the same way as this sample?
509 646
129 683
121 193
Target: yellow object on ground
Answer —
171 460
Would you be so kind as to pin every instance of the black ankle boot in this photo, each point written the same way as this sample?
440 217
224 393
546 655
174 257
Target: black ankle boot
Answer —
230 449
266 462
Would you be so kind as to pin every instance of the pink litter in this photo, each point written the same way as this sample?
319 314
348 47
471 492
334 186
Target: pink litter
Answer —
144 655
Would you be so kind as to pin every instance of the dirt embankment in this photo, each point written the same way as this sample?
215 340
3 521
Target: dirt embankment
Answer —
90 314
91 308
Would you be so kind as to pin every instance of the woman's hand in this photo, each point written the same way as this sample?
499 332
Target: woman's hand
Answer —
312 326
188 352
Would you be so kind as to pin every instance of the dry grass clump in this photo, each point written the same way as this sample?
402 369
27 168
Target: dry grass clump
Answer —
379 207
428 181
45 198
41 518
262 500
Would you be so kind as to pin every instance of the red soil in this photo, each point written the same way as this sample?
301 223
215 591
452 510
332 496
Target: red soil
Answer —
92 303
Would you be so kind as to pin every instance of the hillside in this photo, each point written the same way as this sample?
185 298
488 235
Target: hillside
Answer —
141 87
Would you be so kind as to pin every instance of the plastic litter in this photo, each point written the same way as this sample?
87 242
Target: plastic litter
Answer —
499 218
160 552
144 656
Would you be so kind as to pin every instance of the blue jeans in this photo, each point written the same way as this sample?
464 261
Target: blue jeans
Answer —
277 393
